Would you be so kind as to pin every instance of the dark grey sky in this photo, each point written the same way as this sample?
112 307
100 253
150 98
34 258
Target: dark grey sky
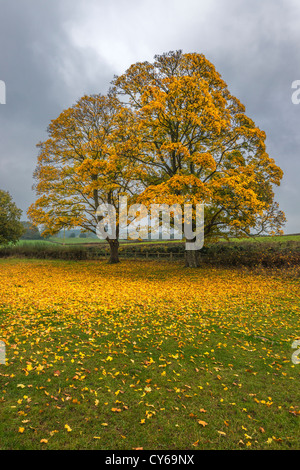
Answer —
54 51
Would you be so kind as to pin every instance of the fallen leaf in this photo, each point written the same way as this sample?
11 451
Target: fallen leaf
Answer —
203 423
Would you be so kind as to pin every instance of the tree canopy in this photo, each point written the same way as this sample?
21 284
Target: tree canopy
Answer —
83 165
169 132
11 229
31 232
198 144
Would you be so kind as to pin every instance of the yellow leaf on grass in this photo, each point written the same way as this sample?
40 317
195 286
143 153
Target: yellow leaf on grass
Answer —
203 423
68 428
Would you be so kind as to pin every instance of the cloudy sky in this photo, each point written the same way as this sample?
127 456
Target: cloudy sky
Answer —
55 51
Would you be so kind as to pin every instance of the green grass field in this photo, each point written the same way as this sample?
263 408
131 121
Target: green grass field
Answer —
90 241
147 355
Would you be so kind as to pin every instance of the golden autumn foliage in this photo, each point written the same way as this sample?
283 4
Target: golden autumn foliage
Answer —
82 165
198 145
168 132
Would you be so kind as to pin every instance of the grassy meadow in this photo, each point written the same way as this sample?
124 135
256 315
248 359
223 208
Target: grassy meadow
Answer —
90 240
147 354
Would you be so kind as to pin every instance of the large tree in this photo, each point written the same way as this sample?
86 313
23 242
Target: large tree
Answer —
82 165
196 144
11 229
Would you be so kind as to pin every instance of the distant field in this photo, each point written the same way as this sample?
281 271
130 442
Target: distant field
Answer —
278 238
84 241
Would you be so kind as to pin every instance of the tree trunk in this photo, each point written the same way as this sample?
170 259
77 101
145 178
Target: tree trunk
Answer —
192 258
114 251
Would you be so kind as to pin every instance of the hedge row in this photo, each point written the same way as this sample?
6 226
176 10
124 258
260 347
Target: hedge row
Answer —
253 254
42 250
221 253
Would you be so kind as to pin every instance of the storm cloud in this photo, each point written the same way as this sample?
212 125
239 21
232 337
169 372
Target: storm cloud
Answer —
54 52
